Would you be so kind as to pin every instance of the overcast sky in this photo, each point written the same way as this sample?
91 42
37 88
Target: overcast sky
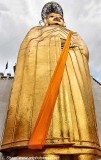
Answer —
18 16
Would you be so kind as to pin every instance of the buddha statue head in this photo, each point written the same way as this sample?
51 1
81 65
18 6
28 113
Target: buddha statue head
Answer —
52 14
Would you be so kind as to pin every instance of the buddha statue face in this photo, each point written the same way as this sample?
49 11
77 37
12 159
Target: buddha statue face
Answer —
54 19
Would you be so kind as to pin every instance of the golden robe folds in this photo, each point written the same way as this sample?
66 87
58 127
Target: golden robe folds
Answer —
73 125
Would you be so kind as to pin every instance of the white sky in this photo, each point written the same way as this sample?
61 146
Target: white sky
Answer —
18 16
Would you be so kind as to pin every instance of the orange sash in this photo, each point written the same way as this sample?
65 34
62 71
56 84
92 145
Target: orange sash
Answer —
37 140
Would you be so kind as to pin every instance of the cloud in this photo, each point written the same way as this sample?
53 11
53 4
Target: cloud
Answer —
17 17
3 8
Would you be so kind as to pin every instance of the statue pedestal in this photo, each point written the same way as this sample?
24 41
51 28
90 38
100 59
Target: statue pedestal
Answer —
56 157
85 157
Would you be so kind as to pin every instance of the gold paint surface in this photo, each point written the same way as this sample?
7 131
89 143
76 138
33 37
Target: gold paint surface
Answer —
85 157
74 119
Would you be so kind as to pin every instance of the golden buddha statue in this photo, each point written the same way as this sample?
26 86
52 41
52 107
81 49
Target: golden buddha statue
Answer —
73 128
